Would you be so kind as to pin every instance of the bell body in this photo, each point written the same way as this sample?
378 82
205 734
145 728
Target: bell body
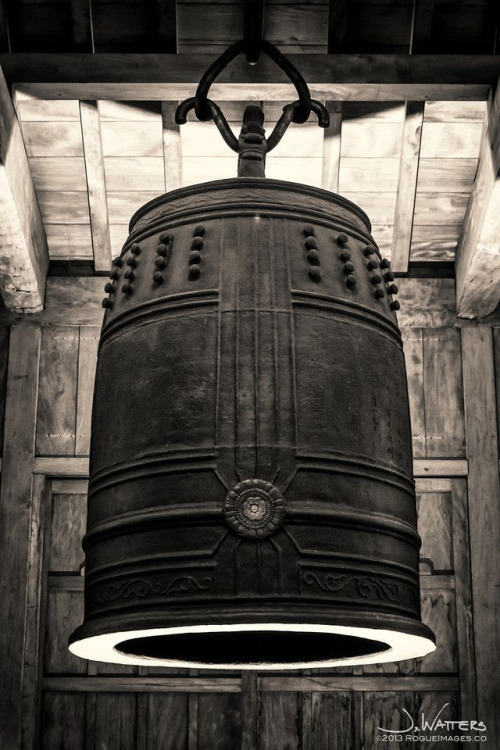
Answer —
251 499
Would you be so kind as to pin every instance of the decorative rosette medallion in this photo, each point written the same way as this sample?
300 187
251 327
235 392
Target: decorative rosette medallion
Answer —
254 508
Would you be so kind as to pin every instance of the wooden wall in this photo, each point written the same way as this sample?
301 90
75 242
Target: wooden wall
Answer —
54 700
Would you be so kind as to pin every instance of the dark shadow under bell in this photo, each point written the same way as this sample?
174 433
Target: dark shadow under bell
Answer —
249 647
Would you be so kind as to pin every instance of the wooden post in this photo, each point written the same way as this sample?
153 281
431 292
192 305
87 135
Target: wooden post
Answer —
25 257
484 520
16 527
249 710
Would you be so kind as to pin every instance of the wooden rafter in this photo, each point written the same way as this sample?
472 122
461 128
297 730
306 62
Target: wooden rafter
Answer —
407 186
96 184
331 148
23 246
478 252
331 77
172 152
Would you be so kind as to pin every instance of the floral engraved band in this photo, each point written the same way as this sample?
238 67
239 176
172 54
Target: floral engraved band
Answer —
254 508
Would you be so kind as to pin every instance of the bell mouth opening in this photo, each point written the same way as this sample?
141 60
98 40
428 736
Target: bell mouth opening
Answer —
251 646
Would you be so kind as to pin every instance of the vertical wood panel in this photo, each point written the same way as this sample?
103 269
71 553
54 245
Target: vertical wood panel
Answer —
249 710
385 710
484 519
443 390
463 598
69 517
15 523
63 726
57 399
115 722
4 359
219 720
332 721
31 675
280 721
167 722
64 614
87 361
414 359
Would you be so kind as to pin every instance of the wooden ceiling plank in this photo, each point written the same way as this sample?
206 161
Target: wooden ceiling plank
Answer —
331 77
331 148
172 147
477 263
24 253
96 183
407 186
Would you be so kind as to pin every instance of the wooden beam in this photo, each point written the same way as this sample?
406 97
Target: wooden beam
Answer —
17 516
267 683
24 256
330 77
484 519
172 148
96 184
77 300
407 186
331 148
477 260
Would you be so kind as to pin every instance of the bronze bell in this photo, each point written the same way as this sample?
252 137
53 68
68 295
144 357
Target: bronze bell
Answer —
251 499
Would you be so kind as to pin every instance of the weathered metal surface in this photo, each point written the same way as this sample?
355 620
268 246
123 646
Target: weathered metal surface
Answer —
251 451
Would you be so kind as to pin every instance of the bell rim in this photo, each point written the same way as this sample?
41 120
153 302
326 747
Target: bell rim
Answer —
414 640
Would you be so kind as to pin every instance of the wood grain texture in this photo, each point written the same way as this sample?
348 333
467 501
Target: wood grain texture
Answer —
4 361
167 722
22 237
484 518
16 523
477 266
414 360
332 721
219 722
96 184
64 614
331 148
172 148
407 185
87 361
443 392
56 418
463 598
115 723
279 726
63 723
249 710
69 518
434 511
34 621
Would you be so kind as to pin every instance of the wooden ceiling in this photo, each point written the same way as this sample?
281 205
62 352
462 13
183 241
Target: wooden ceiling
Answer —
409 158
